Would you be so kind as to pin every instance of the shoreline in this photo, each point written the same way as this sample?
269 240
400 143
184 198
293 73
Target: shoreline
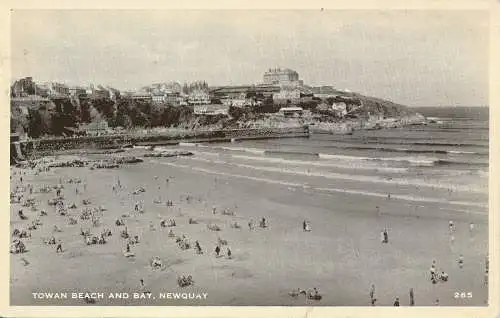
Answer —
21 149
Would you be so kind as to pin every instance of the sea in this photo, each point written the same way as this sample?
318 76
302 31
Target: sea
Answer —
444 162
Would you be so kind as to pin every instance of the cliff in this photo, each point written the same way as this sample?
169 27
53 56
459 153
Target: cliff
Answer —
53 118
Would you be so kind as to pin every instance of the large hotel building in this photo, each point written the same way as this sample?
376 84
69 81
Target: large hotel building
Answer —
279 76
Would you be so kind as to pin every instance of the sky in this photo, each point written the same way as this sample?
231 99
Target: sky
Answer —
416 58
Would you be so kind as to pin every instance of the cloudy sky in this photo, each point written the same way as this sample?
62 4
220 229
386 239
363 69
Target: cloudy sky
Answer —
417 58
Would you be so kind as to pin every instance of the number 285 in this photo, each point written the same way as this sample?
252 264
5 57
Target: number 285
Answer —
463 295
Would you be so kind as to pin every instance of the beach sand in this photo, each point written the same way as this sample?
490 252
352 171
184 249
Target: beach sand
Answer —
342 255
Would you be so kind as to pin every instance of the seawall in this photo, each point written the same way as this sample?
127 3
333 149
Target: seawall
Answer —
52 145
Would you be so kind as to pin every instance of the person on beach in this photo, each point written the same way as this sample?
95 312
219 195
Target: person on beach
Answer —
396 302
59 247
412 300
433 271
306 227
214 210
461 261
250 225
372 293
384 236
443 276
217 250
388 196
21 215
263 223
198 247
451 226
229 253
128 248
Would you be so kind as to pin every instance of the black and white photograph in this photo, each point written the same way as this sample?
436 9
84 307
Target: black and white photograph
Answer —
249 158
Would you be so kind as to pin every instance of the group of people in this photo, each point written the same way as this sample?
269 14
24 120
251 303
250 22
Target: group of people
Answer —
396 300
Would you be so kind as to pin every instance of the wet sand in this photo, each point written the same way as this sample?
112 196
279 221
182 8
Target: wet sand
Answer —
342 255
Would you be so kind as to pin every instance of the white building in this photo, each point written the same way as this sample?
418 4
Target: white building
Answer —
211 110
142 96
76 91
95 128
199 97
291 111
287 95
280 76
158 98
57 89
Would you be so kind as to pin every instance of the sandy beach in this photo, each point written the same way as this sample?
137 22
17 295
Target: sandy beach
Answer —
341 257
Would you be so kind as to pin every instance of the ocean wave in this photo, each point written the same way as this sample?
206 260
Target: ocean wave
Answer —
320 164
412 161
406 150
297 153
444 162
408 160
337 190
347 177
461 152
188 144
242 149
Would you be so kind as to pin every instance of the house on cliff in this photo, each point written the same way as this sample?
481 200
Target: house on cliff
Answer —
95 128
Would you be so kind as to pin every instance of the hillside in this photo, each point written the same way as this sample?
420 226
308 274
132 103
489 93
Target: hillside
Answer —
38 118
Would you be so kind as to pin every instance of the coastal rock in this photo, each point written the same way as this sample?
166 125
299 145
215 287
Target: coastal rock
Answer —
168 154
128 159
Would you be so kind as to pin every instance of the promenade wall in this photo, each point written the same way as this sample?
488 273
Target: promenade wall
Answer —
52 145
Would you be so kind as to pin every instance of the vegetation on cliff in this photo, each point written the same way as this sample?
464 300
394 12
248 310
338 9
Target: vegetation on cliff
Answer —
55 117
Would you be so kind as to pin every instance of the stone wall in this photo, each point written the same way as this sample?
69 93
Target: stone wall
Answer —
47 146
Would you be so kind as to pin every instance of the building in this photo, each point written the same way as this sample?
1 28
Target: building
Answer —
23 87
291 111
114 94
213 109
57 90
280 76
95 128
158 98
324 92
240 100
146 97
173 98
287 95
235 92
199 97
77 91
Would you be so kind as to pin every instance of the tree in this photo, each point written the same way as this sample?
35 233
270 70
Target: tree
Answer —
85 111
35 124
